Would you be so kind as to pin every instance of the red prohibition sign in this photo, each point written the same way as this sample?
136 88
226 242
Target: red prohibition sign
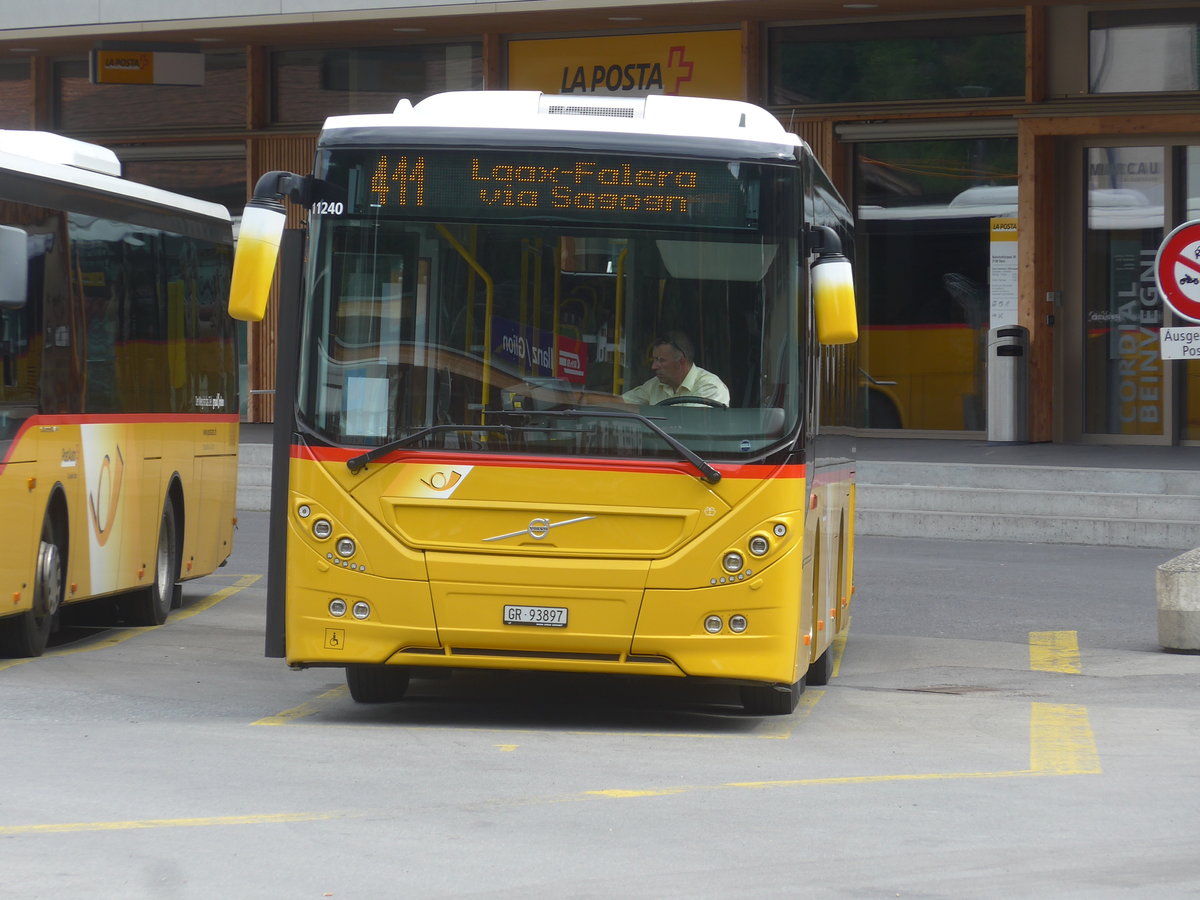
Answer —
1177 270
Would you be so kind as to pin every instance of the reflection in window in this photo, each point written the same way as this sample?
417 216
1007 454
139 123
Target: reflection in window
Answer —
310 85
924 216
82 106
1144 50
928 60
1123 369
155 332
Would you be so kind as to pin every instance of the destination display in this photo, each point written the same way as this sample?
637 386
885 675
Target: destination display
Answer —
527 185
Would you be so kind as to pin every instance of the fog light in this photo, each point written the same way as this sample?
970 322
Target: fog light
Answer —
337 607
759 545
732 561
737 624
780 529
322 529
304 510
360 610
712 624
345 547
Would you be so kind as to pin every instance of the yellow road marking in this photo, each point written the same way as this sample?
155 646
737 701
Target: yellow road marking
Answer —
1054 651
1061 741
263 819
311 708
839 647
112 637
1060 744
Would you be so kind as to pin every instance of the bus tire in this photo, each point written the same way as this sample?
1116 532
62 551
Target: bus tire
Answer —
377 684
27 633
821 670
151 605
771 699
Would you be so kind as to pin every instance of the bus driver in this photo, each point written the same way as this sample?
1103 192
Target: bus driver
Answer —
676 375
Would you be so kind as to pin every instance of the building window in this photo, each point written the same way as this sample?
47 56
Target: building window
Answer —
16 95
1144 50
947 59
82 107
309 85
925 212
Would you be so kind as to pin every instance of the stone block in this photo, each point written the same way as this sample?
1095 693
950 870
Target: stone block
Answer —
1177 583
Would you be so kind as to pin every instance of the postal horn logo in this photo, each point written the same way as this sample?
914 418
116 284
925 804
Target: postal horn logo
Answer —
103 503
635 78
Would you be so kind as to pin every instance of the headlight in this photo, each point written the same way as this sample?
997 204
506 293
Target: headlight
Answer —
713 624
337 607
322 529
360 610
732 562
346 547
759 545
780 529
737 624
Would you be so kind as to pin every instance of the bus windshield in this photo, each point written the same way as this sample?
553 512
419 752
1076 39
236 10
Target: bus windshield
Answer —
490 300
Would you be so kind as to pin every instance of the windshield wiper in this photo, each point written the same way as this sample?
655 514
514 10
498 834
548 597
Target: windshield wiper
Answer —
711 475
356 463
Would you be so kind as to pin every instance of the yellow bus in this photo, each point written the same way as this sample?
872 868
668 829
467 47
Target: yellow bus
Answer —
118 388
476 473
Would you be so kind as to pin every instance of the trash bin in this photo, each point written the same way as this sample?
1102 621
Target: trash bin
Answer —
1008 383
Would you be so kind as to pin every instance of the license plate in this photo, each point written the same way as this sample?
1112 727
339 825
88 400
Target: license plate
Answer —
545 616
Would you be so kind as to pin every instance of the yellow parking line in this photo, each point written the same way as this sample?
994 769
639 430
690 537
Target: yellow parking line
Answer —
1061 741
1054 651
311 708
264 819
113 636
1060 744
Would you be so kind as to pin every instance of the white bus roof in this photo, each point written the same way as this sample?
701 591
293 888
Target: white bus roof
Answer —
55 157
656 114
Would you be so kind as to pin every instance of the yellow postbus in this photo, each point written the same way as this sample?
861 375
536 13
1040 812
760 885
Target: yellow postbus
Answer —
479 474
118 388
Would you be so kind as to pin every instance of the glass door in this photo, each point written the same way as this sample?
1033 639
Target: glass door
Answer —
1123 374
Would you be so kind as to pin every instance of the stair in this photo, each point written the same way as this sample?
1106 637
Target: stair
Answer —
254 477
1158 508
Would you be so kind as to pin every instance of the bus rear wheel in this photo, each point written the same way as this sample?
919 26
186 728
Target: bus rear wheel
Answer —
27 634
150 606
771 699
377 684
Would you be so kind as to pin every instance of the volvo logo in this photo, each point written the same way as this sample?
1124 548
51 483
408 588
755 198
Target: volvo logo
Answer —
538 528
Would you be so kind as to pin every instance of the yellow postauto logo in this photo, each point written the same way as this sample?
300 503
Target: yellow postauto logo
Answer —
430 481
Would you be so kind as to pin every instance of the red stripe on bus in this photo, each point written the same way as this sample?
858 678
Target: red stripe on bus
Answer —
727 470
113 419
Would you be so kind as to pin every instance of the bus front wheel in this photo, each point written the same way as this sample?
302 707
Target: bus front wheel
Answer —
377 684
27 633
771 699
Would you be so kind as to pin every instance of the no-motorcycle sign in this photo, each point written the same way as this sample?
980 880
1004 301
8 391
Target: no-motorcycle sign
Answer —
1177 271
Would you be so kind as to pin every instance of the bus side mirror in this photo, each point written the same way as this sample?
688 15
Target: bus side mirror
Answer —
833 297
254 260
14 267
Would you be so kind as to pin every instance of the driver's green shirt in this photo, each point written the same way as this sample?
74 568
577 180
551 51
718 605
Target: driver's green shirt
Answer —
697 382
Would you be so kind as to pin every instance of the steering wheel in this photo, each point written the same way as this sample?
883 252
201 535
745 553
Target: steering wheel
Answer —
703 401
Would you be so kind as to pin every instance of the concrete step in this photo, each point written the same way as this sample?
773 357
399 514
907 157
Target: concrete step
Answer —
1047 504
1077 504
